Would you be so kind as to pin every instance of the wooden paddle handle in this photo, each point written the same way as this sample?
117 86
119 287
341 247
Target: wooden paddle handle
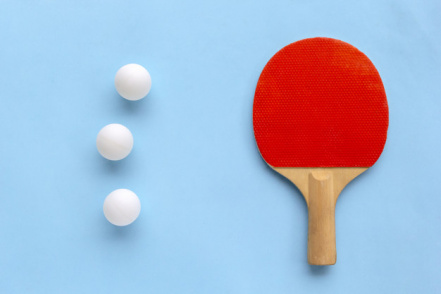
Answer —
321 219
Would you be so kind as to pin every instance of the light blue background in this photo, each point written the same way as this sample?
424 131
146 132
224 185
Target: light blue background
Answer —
215 218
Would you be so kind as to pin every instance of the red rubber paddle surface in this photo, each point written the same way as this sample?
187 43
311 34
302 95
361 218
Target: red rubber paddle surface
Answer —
320 102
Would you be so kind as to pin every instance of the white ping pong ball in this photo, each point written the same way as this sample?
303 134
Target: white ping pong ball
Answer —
121 207
133 82
114 142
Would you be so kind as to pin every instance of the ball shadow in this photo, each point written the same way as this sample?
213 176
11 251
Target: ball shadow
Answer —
133 108
110 167
121 234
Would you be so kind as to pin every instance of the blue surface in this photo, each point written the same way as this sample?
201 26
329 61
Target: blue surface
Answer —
215 218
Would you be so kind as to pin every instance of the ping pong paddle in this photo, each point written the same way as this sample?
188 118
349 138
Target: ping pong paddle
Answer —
320 119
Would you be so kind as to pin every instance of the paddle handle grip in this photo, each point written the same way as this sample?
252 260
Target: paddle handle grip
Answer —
321 219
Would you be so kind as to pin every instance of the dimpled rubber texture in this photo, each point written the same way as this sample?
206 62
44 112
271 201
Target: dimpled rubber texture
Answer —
320 102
